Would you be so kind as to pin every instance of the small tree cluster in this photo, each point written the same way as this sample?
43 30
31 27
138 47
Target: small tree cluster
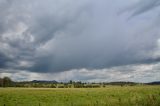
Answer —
6 82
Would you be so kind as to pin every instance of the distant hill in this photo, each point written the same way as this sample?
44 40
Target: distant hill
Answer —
121 83
154 83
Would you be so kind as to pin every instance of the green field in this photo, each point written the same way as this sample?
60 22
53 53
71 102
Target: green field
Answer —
109 96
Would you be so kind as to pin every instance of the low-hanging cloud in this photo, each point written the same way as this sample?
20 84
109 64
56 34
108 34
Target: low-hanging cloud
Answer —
55 36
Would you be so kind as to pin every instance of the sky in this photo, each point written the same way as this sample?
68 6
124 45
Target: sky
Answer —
84 40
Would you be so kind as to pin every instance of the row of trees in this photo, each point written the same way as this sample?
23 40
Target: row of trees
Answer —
7 82
53 84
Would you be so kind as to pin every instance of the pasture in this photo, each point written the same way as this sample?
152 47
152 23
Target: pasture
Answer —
108 96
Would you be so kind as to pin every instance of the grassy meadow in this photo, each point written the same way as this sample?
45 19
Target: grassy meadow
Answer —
108 96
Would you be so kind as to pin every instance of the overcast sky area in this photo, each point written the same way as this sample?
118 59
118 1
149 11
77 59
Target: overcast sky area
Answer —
87 40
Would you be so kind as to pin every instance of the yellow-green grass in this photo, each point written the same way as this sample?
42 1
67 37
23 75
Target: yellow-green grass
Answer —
109 96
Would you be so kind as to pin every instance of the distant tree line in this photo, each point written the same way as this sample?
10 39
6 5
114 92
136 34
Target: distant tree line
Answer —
7 82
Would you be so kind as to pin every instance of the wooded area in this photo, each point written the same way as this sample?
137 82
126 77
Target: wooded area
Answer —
8 82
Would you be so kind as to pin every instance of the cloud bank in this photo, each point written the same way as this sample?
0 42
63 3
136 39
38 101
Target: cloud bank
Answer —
55 36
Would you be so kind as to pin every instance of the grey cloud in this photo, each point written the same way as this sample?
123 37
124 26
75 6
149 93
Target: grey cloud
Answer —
142 6
55 36
136 73
3 60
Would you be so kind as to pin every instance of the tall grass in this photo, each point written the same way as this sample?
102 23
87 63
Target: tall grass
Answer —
109 96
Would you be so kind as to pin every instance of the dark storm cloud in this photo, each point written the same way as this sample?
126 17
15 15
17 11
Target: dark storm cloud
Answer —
146 6
55 36
3 60
142 6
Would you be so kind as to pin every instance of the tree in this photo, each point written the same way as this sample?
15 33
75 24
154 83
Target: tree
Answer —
70 82
7 82
1 82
